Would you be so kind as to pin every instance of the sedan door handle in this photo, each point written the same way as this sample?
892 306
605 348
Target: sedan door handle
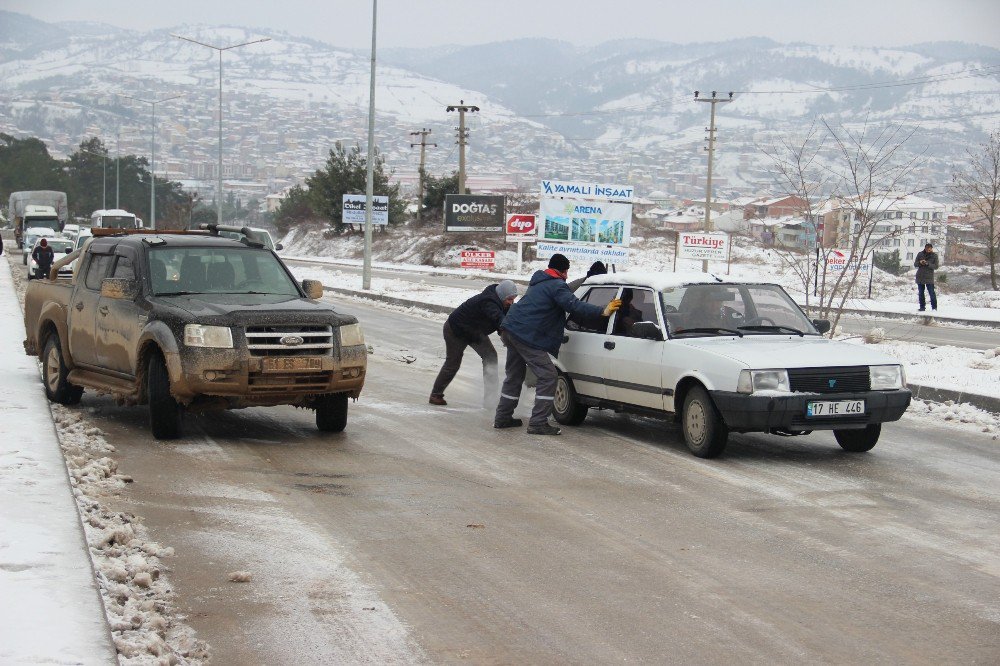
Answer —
103 310
565 339
79 306
609 345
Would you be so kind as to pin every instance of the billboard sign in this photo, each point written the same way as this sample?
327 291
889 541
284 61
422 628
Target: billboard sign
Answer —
478 258
837 262
521 228
609 254
354 209
473 212
579 221
714 247
585 190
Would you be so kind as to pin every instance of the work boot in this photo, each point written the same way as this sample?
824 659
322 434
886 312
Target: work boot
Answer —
437 400
544 430
508 423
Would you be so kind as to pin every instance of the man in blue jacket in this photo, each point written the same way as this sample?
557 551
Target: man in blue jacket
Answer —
533 329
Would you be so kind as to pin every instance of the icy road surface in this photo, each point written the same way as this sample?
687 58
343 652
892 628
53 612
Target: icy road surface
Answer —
422 534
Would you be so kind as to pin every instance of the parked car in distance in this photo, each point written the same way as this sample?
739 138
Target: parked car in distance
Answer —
70 230
256 234
722 356
60 246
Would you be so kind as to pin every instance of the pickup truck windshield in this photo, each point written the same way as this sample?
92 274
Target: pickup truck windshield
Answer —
235 270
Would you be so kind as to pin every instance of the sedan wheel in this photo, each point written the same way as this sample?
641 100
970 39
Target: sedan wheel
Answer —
565 405
704 430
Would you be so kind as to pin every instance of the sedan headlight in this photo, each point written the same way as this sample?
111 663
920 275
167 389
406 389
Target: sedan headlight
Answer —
197 335
351 335
752 381
886 377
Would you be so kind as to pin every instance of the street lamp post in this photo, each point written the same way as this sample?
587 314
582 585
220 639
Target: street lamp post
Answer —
366 269
152 153
220 49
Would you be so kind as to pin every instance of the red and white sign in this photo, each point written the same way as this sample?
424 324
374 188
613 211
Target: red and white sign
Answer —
520 225
703 246
478 259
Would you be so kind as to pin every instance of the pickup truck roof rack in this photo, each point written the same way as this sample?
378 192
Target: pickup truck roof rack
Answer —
108 231
246 232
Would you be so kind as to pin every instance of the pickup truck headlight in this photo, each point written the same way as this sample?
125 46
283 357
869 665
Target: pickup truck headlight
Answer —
197 335
886 377
752 381
351 335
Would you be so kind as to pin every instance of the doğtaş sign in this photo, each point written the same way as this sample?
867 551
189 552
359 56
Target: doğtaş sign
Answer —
473 212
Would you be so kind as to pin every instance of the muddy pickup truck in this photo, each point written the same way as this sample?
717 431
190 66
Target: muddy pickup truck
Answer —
191 322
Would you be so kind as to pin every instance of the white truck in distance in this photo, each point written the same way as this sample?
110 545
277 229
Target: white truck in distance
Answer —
39 209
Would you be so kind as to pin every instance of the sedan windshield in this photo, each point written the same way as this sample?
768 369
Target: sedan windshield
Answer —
703 310
230 270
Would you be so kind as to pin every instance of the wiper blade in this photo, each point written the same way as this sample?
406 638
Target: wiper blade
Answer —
176 293
713 329
776 328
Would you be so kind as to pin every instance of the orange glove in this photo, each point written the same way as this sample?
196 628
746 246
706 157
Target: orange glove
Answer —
612 307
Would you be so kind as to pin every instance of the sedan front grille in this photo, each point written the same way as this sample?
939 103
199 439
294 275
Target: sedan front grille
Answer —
292 340
848 379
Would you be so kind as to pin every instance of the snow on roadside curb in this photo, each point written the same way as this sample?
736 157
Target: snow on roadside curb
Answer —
130 571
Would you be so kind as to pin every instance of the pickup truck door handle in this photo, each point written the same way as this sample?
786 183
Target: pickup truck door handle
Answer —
103 310
565 339
79 306
609 345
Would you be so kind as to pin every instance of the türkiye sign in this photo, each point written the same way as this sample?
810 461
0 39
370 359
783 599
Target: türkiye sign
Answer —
473 212
703 246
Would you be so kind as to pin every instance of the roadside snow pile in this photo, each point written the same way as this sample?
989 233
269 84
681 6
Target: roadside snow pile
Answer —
955 415
137 595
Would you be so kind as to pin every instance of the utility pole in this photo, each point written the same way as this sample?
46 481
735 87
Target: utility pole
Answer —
366 269
713 100
463 134
423 146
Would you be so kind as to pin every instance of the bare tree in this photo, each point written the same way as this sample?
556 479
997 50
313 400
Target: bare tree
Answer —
980 186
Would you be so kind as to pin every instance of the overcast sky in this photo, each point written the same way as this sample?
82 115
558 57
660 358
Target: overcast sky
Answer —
434 22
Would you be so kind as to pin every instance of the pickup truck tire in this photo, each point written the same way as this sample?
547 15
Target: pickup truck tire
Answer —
164 411
331 412
565 406
859 441
54 372
705 433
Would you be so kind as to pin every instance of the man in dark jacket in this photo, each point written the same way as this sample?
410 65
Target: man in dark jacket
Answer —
43 256
926 263
470 325
532 330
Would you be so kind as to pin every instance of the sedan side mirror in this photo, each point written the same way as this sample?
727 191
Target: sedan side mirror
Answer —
68 250
822 325
646 330
119 288
313 289
279 247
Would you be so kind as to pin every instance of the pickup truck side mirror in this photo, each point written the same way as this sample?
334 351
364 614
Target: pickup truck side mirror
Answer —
119 288
313 289
646 330
822 325
279 247
68 250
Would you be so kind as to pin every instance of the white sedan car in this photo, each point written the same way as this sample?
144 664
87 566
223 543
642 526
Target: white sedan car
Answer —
722 357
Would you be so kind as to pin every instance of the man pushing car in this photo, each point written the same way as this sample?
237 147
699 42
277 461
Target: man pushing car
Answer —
533 329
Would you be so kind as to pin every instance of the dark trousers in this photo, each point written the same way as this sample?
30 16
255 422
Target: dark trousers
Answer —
520 357
930 290
454 347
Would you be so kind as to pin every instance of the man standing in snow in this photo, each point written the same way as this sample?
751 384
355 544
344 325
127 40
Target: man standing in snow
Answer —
43 256
532 330
470 325
926 263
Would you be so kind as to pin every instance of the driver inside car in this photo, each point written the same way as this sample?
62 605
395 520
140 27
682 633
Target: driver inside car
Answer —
709 309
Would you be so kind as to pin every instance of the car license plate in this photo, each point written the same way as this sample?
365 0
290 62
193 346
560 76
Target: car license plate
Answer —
836 408
290 364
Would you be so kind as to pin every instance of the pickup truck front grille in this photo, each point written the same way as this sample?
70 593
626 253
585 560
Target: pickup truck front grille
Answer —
847 379
316 340
264 384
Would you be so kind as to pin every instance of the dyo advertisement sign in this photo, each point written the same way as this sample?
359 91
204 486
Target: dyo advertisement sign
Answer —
521 228
354 209
473 212
711 247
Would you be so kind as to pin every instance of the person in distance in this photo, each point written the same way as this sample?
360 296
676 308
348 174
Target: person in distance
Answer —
926 263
